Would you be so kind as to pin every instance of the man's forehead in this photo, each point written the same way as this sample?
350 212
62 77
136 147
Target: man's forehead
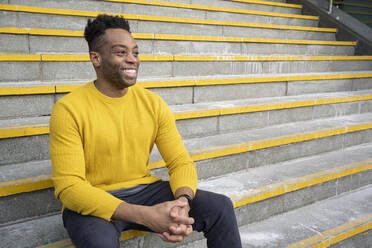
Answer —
119 37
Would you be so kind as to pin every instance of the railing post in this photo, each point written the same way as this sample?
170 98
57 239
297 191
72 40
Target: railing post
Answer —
330 7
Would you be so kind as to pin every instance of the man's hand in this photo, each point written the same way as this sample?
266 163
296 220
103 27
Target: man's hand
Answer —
178 232
165 216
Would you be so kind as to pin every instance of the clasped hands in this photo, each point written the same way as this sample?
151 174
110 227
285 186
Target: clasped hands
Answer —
171 220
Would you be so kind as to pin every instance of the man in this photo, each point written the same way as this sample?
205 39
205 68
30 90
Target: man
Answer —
101 136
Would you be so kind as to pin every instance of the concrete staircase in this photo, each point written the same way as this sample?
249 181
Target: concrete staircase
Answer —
275 113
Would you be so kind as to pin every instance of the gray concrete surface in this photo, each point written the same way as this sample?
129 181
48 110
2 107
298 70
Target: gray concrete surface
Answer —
28 156
33 44
309 221
138 9
47 71
238 185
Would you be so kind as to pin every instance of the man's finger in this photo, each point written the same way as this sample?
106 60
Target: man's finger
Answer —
184 220
175 211
178 229
172 238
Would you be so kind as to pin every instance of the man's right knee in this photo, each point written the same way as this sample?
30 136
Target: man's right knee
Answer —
89 231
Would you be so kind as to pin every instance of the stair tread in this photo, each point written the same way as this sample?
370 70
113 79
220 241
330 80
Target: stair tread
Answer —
310 221
242 184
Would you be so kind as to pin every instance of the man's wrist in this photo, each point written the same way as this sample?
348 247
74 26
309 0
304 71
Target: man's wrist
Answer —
187 197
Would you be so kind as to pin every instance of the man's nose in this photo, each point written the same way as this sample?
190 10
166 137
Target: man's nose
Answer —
131 58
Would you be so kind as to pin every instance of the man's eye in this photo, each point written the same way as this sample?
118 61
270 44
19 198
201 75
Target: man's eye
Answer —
121 53
136 54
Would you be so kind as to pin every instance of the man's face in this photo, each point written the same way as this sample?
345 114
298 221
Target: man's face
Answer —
119 54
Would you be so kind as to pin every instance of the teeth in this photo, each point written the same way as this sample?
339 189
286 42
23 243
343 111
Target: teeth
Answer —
130 70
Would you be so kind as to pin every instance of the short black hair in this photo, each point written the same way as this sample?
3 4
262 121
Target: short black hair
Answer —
96 28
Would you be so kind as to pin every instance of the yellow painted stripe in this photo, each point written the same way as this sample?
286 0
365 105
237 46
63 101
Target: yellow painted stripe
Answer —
22 132
38 31
66 88
337 234
27 90
25 185
20 57
183 83
182 58
71 57
212 8
268 58
65 57
67 33
298 6
66 243
159 18
19 186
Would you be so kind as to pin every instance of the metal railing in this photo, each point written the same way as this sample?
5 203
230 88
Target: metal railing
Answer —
330 7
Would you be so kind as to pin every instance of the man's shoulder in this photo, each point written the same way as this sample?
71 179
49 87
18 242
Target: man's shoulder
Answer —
146 94
76 94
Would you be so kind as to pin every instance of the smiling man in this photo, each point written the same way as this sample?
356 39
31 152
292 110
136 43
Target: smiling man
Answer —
101 137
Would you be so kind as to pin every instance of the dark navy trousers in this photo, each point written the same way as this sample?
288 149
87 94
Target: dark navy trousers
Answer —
213 213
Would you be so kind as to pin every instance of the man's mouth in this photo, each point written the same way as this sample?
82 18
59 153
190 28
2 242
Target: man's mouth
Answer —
132 73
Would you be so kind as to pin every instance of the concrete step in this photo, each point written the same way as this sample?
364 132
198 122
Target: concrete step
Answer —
197 120
267 6
214 156
180 10
342 221
31 41
47 67
30 17
30 99
257 193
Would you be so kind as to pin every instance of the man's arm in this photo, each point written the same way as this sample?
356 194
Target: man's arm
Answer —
181 169
69 175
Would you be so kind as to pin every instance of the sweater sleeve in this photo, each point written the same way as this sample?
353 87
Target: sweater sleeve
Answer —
181 168
69 178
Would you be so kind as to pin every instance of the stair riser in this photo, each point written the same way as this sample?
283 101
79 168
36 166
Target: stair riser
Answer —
47 71
34 20
24 44
14 208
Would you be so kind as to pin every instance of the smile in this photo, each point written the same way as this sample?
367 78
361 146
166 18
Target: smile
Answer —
130 72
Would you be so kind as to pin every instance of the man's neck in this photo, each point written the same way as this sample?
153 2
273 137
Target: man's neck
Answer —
109 89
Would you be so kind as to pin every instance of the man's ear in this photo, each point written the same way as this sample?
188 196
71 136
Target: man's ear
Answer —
95 58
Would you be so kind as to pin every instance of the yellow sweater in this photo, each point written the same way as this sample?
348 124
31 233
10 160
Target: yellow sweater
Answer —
99 144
